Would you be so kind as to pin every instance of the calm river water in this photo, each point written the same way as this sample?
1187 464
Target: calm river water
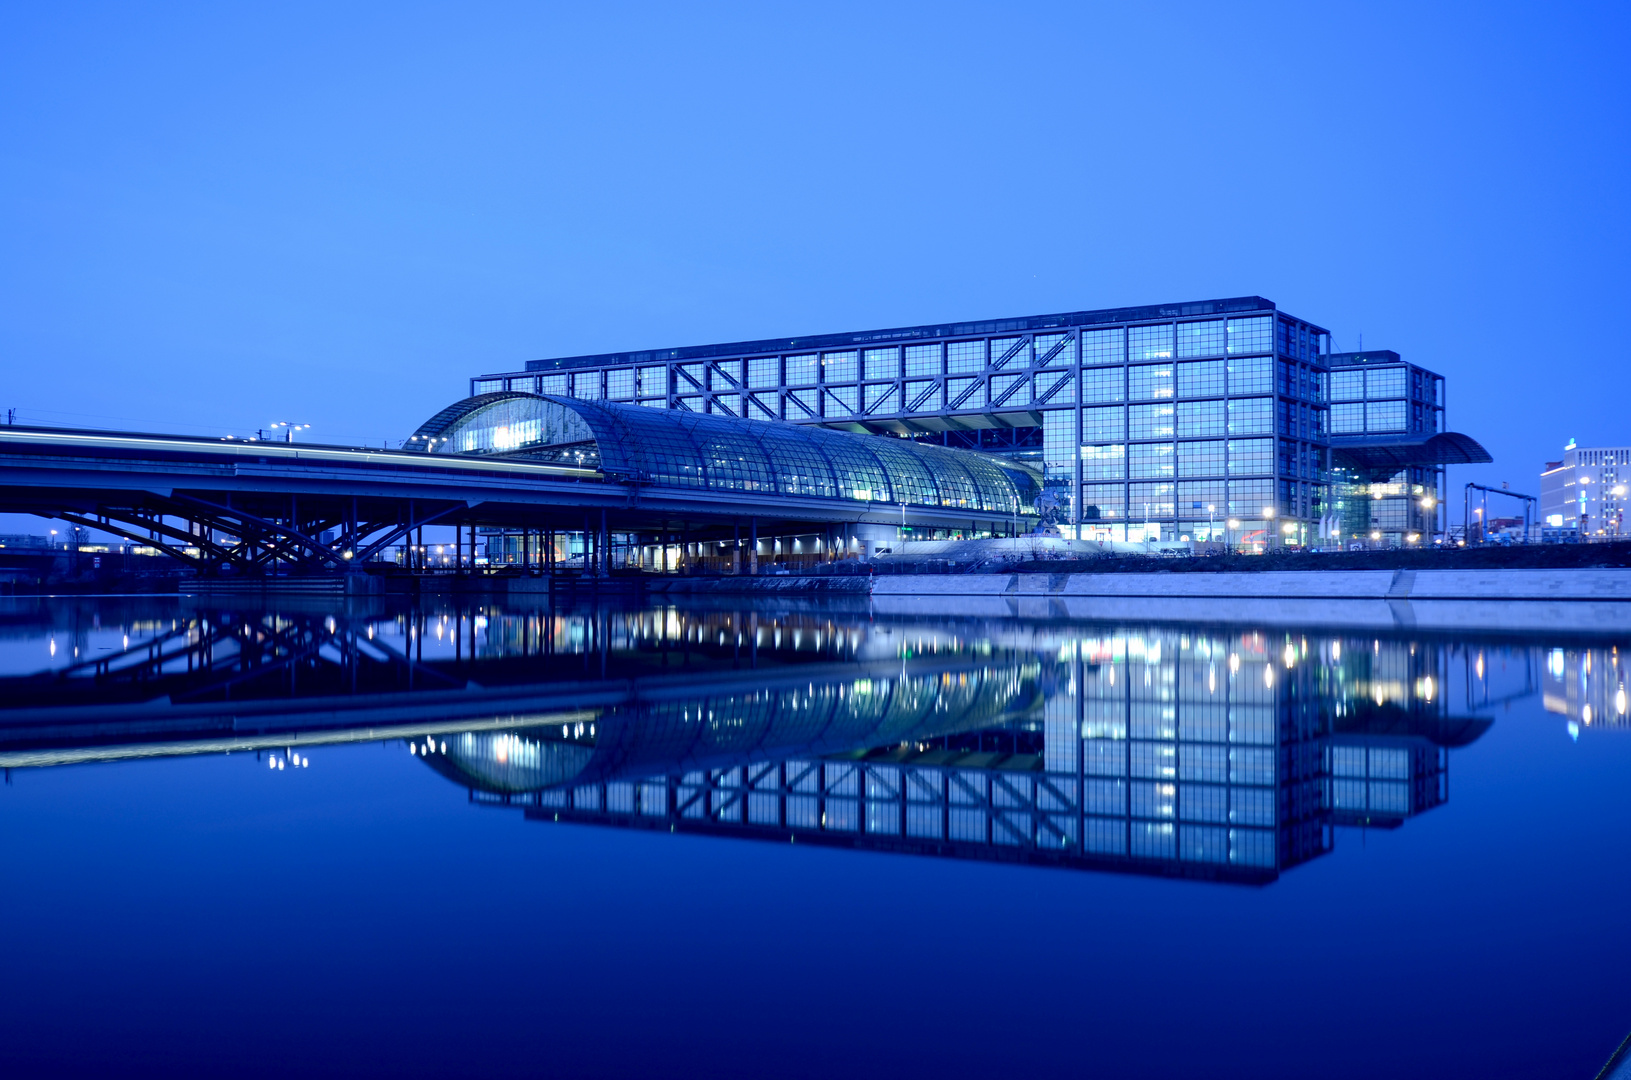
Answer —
333 838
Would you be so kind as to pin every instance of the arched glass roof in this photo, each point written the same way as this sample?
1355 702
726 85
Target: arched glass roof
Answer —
675 448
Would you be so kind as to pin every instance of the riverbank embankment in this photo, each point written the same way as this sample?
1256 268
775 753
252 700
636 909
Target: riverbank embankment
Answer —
1591 601
1585 601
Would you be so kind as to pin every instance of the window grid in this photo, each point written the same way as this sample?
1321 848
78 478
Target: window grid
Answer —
1149 342
1201 338
1149 382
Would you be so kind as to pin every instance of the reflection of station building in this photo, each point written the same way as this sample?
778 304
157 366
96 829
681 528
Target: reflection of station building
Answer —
1226 756
1587 686
1212 754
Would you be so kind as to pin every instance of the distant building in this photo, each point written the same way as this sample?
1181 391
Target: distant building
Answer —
1586 491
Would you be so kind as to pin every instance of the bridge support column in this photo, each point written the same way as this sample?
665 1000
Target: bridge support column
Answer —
753 551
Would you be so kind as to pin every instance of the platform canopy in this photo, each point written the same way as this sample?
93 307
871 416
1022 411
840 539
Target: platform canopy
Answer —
677 448
1378 457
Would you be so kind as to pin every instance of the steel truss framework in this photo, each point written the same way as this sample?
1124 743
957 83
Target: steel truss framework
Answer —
315 535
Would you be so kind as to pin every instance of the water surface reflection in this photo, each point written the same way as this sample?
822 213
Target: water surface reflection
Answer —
1203 752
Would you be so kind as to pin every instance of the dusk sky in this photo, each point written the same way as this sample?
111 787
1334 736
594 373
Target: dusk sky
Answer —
213 217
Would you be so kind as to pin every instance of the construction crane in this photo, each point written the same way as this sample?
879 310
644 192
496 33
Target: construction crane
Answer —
1529 503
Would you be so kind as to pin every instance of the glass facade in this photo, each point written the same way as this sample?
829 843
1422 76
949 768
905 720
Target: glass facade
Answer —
1378 394
1234 392
688 448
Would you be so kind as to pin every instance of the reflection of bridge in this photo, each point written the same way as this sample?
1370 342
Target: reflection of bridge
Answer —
213 681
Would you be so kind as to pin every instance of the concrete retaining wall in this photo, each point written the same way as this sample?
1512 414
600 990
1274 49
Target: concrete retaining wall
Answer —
1609 585
1567 601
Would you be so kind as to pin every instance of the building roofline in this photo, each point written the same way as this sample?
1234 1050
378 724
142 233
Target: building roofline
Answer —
1240 305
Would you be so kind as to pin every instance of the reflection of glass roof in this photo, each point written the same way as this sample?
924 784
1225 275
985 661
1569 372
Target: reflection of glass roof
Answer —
657 738
675 448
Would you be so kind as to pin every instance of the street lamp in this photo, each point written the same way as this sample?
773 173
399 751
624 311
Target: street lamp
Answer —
1210 537
1268 533
1427 505
289 429
1230 526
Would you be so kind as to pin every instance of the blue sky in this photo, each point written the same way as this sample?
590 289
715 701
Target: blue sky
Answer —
217 216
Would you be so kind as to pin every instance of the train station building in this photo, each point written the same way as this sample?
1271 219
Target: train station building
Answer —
1226 420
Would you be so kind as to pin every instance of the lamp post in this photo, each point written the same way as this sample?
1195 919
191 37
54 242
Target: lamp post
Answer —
289 429
1210 539
1268 532
1229 532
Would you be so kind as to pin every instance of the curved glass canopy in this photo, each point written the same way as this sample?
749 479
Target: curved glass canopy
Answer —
675 448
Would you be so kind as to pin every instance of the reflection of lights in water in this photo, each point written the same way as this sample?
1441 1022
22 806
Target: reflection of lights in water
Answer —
1554 664
1234 663
53 646
1290 656
1585 713
1574 730
1336 650
1619 701
1268 675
